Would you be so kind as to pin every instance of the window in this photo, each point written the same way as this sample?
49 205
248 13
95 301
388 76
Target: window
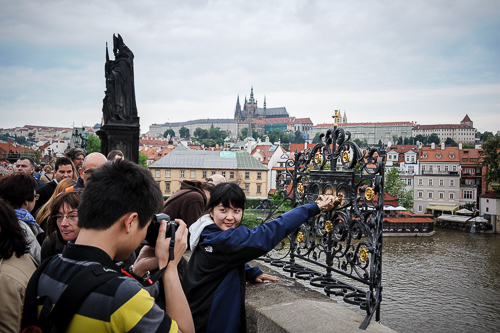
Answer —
441 195
445 168
487 209
213 173
454 168
182 174
430 168
430 182
258 188
420 181
223 173
420 194
430 195
452 182
231 175
469 182
423 167
419 208
204 175
439 168
468 194
158 172
247 175
193 174
167 187
247 188
167 173
452 196
259 175
409 181
438 155
441 182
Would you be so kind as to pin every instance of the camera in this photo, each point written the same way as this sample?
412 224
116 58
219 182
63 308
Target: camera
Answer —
154 228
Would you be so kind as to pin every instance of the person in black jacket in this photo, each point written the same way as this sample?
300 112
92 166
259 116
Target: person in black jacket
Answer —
215 278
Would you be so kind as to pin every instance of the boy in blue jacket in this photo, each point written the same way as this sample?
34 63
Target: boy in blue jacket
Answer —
215 278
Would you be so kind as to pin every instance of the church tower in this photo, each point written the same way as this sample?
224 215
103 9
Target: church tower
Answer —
344 121
237 111
250 108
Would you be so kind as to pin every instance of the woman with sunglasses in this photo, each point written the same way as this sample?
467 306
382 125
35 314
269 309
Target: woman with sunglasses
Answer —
62 225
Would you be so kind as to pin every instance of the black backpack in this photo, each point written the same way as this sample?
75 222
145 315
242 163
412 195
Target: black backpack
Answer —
59 316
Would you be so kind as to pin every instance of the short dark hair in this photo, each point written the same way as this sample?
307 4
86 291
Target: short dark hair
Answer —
27 158
72 198
62 161
112 154
116 189
17 188
12 238
73 153
227 194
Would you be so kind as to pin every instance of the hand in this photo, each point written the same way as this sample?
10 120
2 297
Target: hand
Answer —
262 277
163 243
146 261
324 201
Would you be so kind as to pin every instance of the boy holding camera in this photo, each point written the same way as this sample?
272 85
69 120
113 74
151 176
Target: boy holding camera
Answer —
115 211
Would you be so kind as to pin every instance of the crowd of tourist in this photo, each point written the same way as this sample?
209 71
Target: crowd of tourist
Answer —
83 221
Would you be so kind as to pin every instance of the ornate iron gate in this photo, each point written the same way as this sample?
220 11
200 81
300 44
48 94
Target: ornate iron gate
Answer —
346 240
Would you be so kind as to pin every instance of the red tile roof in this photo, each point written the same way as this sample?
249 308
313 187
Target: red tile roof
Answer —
466 119
445 154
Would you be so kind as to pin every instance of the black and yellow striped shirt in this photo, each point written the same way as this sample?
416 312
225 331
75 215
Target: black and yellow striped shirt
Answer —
118 305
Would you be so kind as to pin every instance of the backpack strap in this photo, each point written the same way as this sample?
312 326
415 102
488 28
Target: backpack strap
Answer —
177 197
68 303
77 291
31 302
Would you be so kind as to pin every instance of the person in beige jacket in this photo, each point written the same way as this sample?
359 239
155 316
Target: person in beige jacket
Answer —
16 268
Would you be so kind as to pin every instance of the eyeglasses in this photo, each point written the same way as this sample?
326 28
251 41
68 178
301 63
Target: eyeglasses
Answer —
71 217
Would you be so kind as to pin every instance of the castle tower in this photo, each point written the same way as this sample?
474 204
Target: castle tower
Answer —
467 121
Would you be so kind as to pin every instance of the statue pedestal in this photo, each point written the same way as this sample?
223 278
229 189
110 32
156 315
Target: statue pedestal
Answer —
124 137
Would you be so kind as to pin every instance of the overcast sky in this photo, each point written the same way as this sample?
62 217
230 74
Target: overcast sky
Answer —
426 61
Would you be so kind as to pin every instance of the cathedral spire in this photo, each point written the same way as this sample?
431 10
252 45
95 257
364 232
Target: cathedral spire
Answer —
264 103
237 110
345 118
251 100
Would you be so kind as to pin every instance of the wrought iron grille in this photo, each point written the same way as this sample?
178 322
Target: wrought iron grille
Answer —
345 241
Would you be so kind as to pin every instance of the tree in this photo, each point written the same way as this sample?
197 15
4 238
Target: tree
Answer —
316 138
244 132
93 144
491 159
450 142
143 159
298 137
485 136
433 138
169 131
184 132
396 187
421 138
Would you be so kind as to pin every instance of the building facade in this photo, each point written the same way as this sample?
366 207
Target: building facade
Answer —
463 133
438 183
372 132
236 166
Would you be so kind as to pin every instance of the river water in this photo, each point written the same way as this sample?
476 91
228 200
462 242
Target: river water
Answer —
449 282
446 283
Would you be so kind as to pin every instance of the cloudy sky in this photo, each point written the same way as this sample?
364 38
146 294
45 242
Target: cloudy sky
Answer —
426 61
